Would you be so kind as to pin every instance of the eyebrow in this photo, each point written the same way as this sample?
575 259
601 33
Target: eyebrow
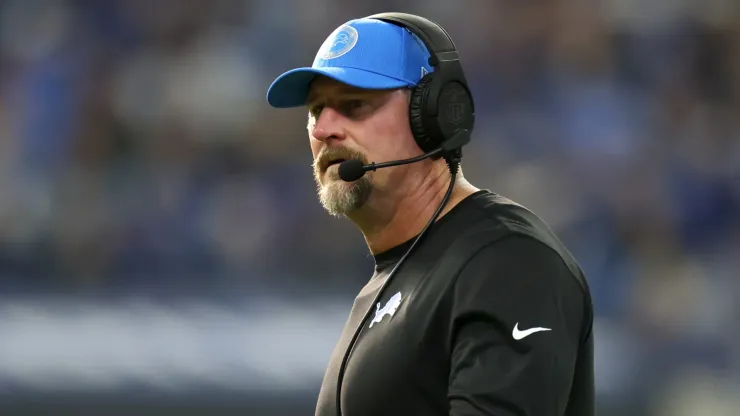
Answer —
340 94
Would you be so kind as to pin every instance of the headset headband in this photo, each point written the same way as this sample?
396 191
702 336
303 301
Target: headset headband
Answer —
436 39
441 106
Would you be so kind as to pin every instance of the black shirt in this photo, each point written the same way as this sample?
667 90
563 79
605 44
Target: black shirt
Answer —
489 315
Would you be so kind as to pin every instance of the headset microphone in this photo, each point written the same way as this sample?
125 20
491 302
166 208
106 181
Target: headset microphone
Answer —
353 169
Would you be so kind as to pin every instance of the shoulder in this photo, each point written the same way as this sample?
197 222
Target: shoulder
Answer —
514 265
504 231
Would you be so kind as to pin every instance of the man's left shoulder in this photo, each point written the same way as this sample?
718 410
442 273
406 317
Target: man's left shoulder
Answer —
524 277
509 230
503 216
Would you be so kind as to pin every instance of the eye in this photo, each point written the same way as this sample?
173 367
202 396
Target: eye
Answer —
315 111
356 103
353 107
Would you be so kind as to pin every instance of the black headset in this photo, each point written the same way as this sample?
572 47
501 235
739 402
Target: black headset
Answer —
441 103
441 108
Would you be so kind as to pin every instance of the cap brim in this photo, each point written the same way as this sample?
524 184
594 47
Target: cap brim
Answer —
291 88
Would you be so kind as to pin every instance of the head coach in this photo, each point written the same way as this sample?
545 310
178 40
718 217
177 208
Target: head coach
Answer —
475 307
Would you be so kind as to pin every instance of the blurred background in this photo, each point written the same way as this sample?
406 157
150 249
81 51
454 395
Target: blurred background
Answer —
162 250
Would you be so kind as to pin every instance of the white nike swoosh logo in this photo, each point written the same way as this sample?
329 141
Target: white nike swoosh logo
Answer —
517 334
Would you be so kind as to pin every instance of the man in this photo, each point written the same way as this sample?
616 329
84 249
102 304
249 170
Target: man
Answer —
490 314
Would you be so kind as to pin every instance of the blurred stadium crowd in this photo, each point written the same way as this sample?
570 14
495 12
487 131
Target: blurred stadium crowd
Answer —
137 153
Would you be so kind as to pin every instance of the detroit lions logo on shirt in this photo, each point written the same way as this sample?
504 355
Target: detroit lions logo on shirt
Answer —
388 309
341 41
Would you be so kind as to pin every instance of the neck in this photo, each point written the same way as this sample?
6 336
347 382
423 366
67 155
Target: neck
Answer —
402 214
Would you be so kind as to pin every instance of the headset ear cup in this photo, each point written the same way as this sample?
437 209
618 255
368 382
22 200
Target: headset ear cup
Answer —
416 114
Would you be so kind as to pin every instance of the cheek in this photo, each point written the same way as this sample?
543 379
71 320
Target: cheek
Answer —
395 140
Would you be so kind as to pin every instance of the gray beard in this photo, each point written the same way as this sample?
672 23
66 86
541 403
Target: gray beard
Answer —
340 198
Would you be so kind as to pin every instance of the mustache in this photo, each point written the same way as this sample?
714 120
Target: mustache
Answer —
328 154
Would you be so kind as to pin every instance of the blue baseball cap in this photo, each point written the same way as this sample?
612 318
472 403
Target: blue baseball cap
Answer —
364 53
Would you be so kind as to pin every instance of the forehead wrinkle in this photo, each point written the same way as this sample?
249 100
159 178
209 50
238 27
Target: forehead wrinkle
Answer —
328 98
335 90
334 94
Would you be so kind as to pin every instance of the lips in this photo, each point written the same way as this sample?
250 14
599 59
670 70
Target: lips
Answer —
333 157
335 161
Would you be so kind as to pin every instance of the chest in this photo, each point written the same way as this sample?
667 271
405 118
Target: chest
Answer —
399 361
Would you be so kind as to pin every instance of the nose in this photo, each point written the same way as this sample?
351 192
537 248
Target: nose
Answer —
328 126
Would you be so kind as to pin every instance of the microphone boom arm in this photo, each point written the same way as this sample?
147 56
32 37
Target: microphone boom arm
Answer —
373 165
353 169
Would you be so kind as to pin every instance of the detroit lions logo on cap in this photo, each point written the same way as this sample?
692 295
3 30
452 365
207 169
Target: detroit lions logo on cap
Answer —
341 41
